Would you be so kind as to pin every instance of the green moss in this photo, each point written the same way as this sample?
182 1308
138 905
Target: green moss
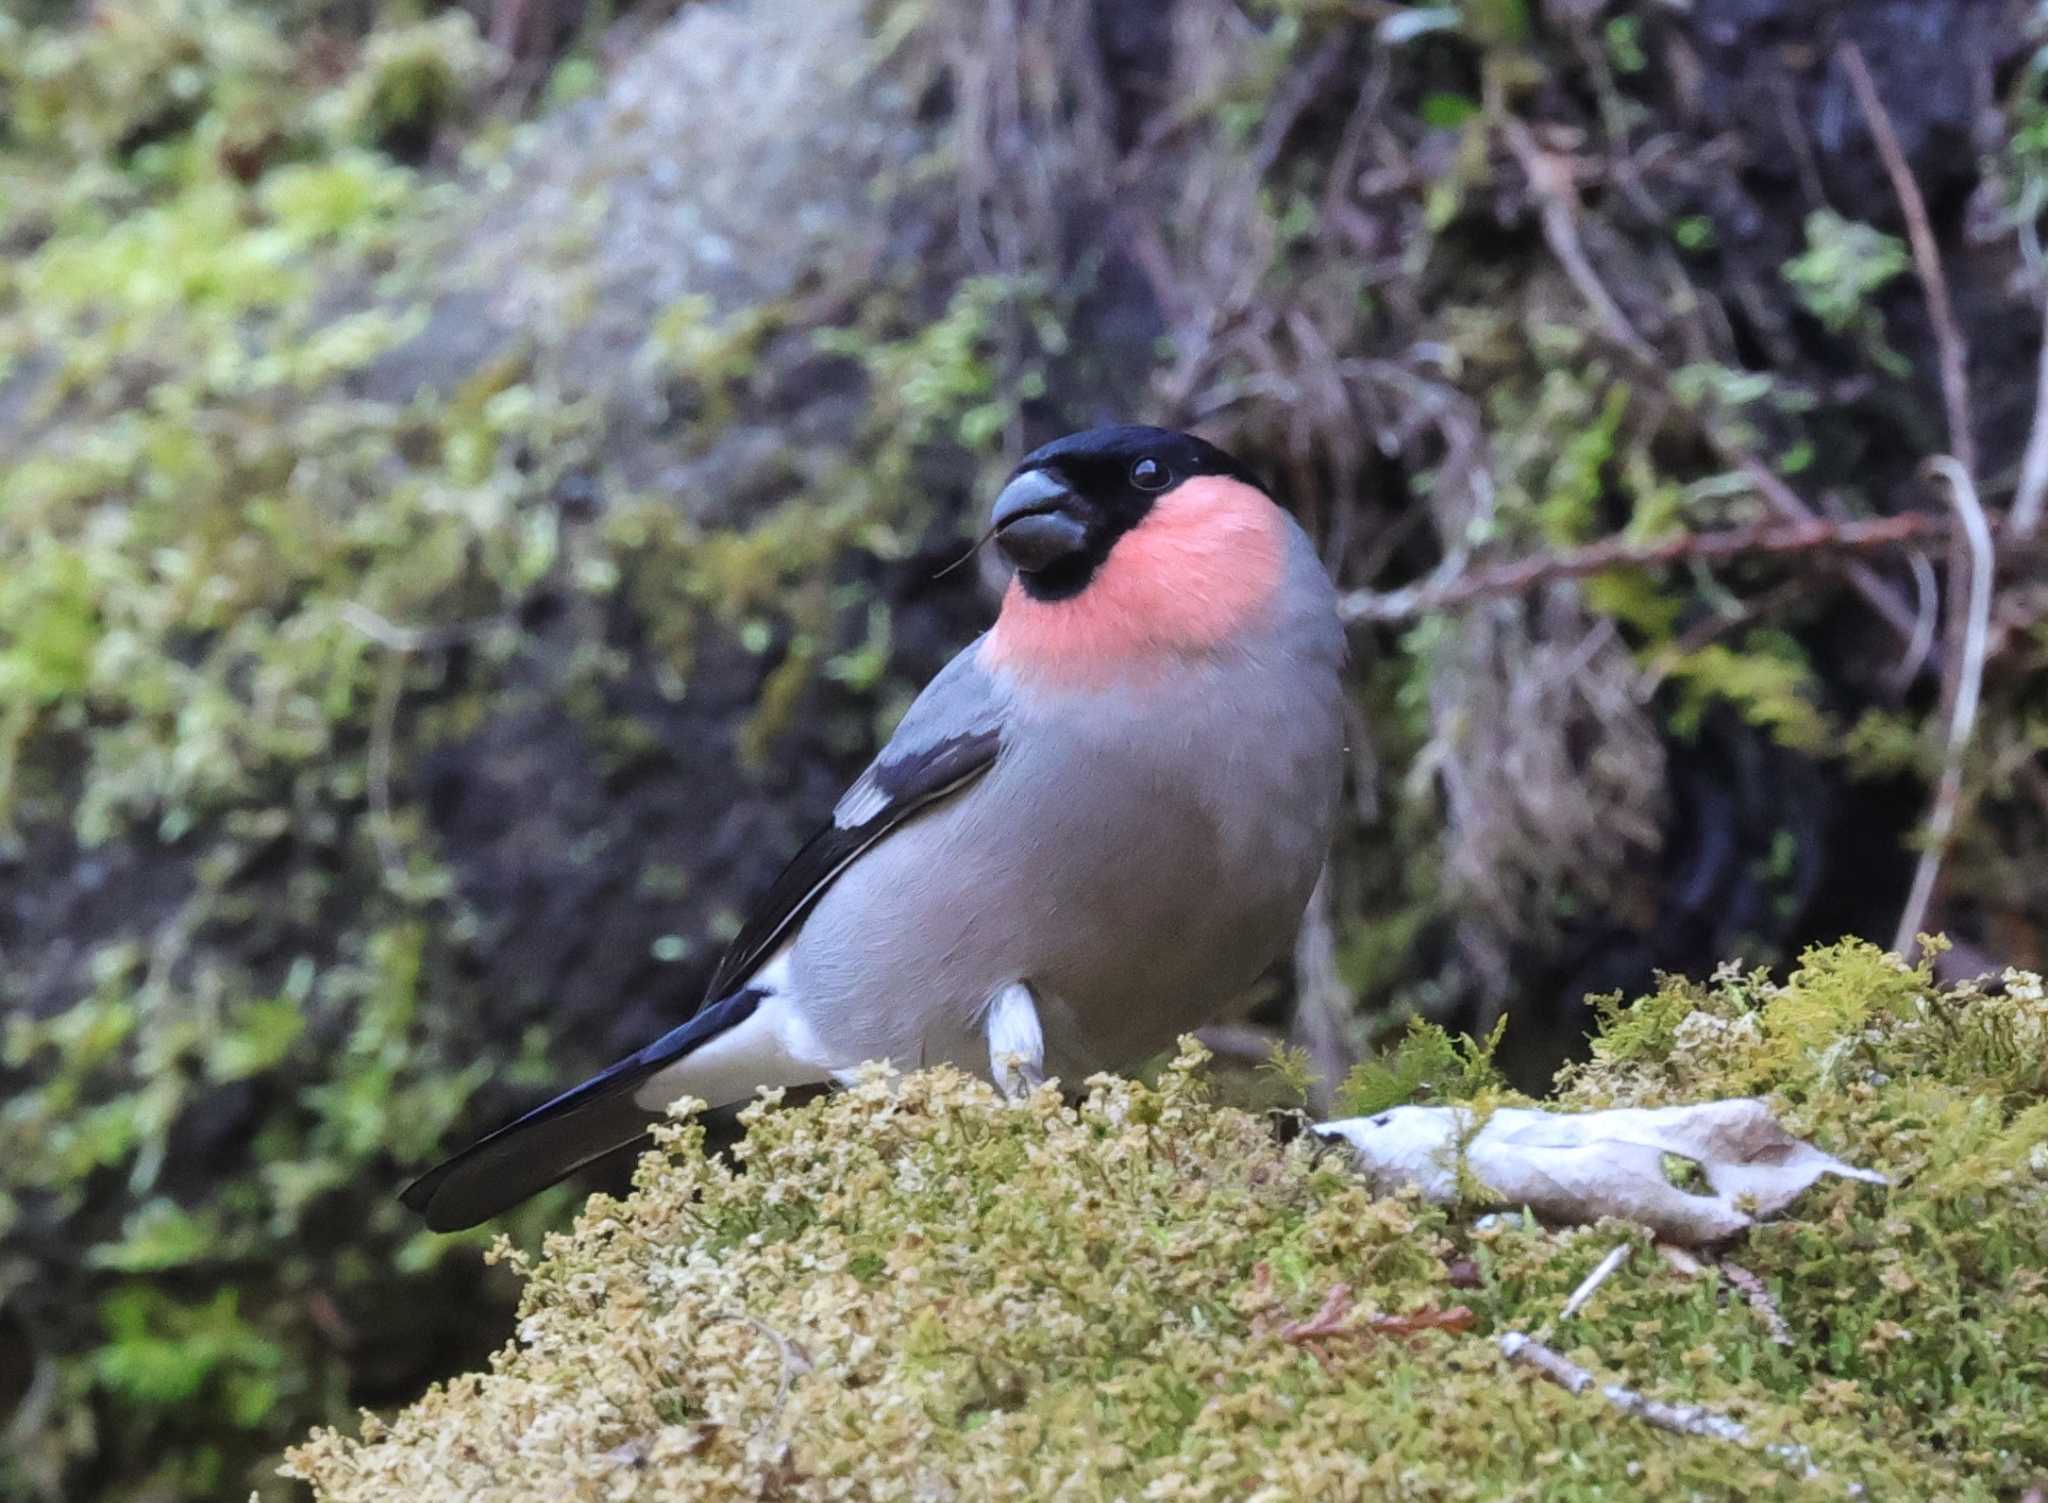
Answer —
916 1285
1844 266
412 82
1768 683
1428 1065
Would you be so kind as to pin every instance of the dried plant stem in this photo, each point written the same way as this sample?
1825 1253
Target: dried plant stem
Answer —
1590 1285
383 733
1679 1419
1951 351
1814 535
1948 792
1550 179
400 643
1758 1297
795 1361
1240 1043
1966 614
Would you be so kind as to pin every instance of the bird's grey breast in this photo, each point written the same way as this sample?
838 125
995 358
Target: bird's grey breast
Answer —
1138 852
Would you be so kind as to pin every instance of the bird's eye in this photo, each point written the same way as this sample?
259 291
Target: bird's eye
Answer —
1149 475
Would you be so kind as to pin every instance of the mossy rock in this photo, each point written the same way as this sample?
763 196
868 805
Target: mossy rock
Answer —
916 1289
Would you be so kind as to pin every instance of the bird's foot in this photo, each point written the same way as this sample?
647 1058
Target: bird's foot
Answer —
1016 1042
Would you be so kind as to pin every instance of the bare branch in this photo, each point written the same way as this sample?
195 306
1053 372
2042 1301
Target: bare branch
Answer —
1941 819
1590 1285
409 639
1758 1296
1240 1043
1814 535
1927 607
400 643
795 1361
383 735
1953 353
1679 1419
1550 180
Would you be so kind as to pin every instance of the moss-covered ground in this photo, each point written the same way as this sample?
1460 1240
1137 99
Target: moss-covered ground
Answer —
916 1290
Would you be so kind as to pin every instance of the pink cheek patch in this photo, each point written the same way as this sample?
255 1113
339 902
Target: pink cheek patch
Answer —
1202 565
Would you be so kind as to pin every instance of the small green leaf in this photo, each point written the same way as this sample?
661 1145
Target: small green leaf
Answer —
1447 111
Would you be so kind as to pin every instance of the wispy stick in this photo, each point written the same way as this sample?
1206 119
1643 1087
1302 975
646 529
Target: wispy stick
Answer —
1550 180
1679 1419
1590 1285
1962 720
1814 535
1952 352
401 643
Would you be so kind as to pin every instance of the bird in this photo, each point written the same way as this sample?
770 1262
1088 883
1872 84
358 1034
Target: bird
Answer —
1095 827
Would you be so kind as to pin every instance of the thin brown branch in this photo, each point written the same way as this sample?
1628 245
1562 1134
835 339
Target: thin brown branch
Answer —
1814 535
1333 1319
1948 792
1953 353
1557 197
1550 179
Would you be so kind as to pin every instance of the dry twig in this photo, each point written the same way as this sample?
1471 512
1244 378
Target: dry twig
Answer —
1322 1001
1590 1285
795 1361
400 643
1679 1419
1550 180
1960 673
1926 607
1948 793
1813 535
1950 349
1333 1318
1758 1297
1239 1043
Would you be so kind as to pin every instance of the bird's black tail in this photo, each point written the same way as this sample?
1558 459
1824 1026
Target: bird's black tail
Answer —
554 1140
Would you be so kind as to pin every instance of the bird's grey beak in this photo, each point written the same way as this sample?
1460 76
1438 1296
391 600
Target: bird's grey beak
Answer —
1035 522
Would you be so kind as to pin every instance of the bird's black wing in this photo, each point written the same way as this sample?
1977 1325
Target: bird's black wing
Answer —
582 1125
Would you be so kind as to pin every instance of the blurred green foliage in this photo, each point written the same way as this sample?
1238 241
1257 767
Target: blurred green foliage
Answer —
245 595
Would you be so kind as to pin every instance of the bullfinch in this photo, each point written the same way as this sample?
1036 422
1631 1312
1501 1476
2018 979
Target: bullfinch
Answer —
1097 825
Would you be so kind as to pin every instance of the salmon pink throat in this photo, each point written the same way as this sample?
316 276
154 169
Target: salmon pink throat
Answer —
1201 566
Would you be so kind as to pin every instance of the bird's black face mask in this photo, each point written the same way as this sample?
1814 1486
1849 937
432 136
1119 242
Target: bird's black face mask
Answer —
1068 502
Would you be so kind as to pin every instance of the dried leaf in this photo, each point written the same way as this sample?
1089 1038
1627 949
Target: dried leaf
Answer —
1578 1167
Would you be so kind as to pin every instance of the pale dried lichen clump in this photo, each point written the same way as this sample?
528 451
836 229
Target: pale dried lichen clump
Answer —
916 1290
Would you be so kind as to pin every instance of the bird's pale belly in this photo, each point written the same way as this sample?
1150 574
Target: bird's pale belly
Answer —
1135 903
